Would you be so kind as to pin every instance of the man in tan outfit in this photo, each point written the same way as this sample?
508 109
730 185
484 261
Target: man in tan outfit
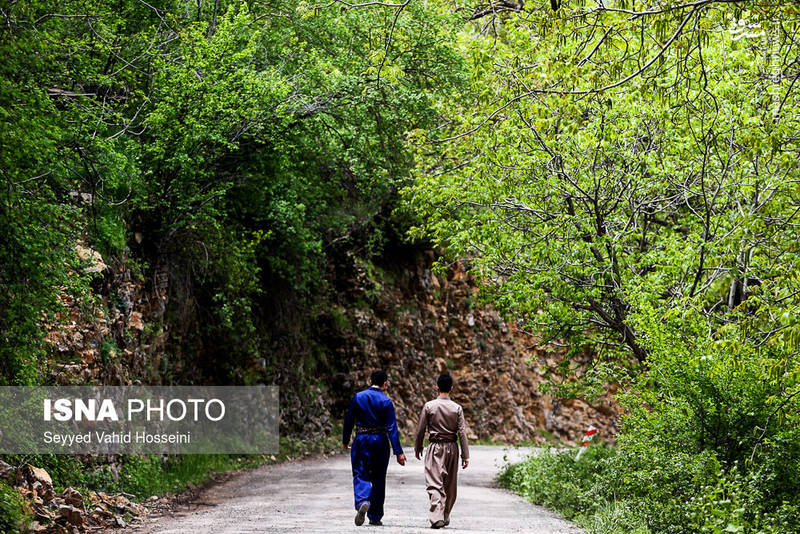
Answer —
444 419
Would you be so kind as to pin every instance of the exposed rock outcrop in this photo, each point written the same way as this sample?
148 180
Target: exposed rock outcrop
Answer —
417 324
66 512
115 337
395 313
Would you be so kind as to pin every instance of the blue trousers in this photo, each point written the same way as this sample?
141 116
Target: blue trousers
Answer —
369 457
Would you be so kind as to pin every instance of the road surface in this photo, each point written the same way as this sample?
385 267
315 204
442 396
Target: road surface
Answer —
315 496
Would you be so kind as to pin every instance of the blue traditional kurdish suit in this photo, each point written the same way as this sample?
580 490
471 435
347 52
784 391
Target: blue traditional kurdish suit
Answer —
372 413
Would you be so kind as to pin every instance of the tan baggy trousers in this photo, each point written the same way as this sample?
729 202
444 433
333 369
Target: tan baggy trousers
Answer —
441 478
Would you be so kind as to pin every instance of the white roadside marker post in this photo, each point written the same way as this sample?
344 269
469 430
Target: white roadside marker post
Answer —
587 438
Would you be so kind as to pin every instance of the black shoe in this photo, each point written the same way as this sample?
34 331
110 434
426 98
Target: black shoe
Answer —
376 523
438 524
362 512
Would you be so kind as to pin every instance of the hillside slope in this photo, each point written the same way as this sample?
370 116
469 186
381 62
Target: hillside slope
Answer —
394 313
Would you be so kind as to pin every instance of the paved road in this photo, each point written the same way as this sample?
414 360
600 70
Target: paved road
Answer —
316 497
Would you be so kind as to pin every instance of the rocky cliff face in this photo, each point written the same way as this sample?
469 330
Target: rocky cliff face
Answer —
395 314
417 324
114 336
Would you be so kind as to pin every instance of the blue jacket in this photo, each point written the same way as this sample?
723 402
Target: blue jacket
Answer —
372 408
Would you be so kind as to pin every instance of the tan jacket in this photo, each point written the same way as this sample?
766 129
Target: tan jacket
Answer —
444 419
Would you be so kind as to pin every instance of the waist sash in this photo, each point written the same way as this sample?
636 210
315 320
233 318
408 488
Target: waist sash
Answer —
370 430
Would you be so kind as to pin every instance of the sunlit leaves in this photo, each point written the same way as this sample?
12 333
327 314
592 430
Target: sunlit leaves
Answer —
582 208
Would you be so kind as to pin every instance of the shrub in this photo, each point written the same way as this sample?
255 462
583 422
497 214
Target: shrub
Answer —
13 517
554 479
654 491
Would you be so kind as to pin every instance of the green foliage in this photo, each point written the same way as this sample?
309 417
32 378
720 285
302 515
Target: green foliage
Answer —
623 181
243 145
32 266
649 491
145 476
13 517
575 197
554 479
108 352
710 441
59 176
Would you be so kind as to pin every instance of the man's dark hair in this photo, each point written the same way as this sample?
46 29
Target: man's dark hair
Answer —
445 383
378 377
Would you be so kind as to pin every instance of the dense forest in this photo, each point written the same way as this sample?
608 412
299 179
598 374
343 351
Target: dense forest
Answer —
622 177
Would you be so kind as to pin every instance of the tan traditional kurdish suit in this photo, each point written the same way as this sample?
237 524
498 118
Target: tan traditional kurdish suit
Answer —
444 419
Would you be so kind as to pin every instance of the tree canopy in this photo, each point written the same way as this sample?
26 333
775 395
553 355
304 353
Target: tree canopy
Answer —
241 142
622 176
624 179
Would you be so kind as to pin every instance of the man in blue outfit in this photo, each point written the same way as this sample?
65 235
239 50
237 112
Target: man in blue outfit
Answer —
372 414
